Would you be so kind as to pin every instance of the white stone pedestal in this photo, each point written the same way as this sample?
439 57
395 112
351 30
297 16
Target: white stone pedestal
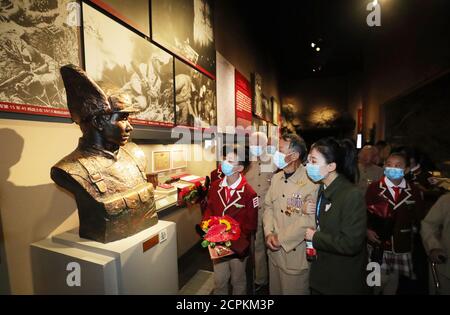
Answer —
145 263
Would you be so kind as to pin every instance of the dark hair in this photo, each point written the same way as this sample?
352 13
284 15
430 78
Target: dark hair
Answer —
402 155
297 144
241 152
341 152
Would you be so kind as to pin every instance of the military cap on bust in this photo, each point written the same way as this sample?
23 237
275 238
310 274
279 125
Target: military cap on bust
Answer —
85 99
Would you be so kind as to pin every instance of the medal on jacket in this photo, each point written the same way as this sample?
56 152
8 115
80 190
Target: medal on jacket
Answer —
294 205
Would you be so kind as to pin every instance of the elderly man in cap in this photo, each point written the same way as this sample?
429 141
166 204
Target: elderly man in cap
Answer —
258 175
105 172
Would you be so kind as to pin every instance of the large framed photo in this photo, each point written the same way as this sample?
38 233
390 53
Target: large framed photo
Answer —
36 39
196 104
161 161
186 29
135 13
120 61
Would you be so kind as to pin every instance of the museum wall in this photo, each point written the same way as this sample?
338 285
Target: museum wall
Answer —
317 101
399 58
32 207
235 43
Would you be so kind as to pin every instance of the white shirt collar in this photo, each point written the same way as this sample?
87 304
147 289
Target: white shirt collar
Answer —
235 184
391 184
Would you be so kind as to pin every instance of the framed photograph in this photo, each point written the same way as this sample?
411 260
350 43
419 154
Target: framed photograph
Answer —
195 95
259 124
179 159
275 110
120 61
267 114
36 39
186 29
135 13
161 161
257 95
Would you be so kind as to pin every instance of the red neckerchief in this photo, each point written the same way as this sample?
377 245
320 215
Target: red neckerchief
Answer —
239 187
397 190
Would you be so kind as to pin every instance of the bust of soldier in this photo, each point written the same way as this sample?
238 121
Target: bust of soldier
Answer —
105 173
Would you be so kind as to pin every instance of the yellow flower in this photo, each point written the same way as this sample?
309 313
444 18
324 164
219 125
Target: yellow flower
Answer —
228 224
205 224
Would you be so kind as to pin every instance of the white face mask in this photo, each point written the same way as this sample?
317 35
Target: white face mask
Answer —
279 159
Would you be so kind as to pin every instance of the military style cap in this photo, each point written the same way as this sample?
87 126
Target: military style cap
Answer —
85 99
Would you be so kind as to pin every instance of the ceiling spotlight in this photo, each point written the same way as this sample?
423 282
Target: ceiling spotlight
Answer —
313 45
317 48
375 3
314 70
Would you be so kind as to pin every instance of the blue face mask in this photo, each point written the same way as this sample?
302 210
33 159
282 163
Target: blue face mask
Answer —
279 160
256 150
394 173
227 168
313 171
271 149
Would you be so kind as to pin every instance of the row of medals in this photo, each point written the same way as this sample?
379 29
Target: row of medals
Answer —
294 205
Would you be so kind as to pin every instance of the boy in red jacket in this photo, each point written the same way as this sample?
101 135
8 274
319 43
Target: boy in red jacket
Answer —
234 197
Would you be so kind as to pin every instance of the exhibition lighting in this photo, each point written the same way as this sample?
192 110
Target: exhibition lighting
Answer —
313 45
318 49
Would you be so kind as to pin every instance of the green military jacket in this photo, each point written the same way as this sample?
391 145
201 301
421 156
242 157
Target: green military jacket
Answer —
341 241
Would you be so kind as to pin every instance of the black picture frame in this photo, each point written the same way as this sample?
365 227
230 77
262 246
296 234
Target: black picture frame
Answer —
195 97
186 28
30 56
134 13
139 68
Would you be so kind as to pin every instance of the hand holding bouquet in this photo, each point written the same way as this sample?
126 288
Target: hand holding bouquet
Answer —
220 232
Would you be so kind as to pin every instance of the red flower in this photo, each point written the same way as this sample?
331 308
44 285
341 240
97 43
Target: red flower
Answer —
222 230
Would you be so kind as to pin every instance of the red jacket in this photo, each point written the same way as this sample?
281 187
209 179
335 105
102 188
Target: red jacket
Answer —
242 206
216 174
393 221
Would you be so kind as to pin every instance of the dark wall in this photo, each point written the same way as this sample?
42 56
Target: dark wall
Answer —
420 119
237 40
321 106
410 48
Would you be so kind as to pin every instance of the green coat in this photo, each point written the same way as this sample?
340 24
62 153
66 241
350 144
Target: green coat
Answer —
341 242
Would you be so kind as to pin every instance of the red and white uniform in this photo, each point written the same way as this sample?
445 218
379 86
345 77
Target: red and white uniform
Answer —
238 201
217 174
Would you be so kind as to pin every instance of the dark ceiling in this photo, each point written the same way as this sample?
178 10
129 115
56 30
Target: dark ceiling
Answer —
286 29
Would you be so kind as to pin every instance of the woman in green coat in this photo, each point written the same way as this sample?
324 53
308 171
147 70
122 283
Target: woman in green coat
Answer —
340 234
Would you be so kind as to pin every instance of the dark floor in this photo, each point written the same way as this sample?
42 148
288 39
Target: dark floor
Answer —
197 258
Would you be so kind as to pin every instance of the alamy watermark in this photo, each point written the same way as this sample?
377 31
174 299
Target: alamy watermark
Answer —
374 17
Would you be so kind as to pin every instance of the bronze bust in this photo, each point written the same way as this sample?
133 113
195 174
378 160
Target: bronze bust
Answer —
105 173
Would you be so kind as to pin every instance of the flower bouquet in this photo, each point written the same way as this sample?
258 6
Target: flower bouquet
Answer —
192 194
220 232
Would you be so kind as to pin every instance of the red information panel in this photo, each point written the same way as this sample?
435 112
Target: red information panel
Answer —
243 101
360 119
